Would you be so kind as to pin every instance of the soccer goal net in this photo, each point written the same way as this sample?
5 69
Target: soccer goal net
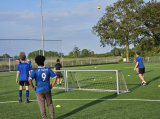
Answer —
96 80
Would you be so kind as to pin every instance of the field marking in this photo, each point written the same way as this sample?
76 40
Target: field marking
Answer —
148 100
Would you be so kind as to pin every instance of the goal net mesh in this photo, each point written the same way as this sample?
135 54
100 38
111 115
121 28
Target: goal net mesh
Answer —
100 80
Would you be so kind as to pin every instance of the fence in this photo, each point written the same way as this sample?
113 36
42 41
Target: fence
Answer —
145 59
10 64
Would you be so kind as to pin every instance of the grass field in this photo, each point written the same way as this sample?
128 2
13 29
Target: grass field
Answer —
141 103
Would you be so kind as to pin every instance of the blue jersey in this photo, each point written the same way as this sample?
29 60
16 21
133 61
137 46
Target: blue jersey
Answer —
140 60
23 68
30 64
42 77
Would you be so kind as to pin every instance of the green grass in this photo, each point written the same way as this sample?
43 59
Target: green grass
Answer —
88 109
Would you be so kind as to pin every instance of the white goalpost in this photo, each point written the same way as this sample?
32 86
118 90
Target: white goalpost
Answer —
94 80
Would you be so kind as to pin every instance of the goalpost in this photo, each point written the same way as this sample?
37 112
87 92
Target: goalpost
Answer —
94 80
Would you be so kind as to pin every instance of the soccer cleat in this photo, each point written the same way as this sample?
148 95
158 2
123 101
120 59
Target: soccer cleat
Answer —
27 101
57 83
20 100
60 84
144 83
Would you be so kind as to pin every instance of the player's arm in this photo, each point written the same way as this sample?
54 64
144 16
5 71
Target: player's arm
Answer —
29 72
31 84
134 61
136 65
17 77
54 81
54 69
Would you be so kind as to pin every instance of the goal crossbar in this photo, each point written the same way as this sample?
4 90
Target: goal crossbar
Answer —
93 80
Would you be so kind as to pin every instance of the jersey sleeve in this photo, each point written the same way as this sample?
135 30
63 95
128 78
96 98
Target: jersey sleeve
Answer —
18 68
30 64
32 76
52 74
137 59
60 66
29 68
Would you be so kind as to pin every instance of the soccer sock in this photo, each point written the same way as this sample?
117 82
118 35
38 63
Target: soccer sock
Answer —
27 94
20 94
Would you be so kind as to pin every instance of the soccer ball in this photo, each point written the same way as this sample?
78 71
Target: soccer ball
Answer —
95 67
98 7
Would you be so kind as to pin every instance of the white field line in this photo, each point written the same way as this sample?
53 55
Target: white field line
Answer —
148 100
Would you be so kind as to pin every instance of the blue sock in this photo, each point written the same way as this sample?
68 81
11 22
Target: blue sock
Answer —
27 94
20 94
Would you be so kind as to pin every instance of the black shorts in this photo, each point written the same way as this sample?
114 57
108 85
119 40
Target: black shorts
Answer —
22 83
141 70
59 74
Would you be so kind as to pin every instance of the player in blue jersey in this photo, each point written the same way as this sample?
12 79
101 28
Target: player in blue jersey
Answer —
29 62
23 72
141 68
43 88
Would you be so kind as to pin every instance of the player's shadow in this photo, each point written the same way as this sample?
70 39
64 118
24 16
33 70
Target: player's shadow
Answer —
137 86
156 78
149 71
87 105
148 82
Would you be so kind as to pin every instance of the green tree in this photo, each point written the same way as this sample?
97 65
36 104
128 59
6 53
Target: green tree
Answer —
6 56
21 53
76 51
70 54
120 25
84 53
150 17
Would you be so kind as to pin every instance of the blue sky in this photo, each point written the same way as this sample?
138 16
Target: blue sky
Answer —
68 20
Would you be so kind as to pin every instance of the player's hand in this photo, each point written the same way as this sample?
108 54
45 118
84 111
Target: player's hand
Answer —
17 81
134 68
34 88
50 86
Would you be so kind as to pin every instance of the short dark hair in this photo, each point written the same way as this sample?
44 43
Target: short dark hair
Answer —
40 60
23 57
58 60
138 53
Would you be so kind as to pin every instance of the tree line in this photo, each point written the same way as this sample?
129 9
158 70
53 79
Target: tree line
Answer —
34 54
129 22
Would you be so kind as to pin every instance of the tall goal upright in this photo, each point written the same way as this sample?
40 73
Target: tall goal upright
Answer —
96 80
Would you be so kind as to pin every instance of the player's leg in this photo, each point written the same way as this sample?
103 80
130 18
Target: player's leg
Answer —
61 76
57 73
141 75
49 103
21 84
61 80
41 103
57 80
27 91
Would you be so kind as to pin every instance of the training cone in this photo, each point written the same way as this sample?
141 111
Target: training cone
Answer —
58 106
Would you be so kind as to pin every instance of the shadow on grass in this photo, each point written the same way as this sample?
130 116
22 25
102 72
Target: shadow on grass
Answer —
87 105
149 71
139 85
57 93
156 78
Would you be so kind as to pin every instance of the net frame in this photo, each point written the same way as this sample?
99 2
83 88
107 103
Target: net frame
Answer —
117 81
